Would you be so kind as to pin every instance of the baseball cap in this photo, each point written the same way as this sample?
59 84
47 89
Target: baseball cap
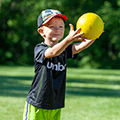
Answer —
47 15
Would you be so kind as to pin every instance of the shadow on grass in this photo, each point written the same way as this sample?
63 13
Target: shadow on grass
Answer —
99 72
100 92
94 81
15 86
97 90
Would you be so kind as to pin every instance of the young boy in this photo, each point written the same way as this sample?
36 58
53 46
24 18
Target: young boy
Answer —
47 94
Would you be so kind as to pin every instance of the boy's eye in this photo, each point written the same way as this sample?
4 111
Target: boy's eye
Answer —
51 26
60 26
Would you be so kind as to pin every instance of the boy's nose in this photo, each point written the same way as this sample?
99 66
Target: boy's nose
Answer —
56 28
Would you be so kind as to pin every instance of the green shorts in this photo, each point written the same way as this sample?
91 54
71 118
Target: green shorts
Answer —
34 113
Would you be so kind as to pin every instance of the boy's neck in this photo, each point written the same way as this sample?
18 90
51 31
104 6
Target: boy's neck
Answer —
51 43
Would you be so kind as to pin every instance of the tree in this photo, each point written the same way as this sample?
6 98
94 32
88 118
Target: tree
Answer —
18 19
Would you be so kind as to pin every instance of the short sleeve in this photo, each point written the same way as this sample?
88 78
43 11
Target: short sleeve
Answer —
69 52
39 52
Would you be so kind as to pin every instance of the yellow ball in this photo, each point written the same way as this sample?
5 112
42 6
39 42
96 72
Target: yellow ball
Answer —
91 25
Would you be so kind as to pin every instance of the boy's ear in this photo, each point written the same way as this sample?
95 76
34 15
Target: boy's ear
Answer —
40 30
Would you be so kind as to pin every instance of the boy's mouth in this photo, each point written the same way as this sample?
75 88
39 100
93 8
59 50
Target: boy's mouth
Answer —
54 39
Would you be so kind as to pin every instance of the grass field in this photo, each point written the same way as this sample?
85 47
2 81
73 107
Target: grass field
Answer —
90 94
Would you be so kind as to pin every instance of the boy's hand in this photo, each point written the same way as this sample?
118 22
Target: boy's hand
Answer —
75 35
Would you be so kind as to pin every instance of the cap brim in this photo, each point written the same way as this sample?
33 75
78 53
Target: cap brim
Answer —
57 15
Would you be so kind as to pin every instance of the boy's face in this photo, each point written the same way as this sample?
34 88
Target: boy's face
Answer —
54 30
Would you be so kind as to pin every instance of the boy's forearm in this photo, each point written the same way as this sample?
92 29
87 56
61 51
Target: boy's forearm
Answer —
79 47
58 48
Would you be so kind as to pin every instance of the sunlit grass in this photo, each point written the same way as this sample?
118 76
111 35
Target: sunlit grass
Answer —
90 94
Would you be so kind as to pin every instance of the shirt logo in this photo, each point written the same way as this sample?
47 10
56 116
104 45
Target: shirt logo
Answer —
56 67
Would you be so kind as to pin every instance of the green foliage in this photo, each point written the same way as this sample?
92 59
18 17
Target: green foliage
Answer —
19 34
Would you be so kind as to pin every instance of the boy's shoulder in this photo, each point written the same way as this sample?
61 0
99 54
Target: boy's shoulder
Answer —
41 45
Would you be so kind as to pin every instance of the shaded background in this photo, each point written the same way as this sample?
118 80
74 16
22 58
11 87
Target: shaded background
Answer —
18 31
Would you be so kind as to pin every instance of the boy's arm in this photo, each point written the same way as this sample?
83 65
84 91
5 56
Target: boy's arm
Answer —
81 46
61 46
57 49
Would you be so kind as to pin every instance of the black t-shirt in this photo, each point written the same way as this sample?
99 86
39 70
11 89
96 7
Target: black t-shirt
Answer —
48 87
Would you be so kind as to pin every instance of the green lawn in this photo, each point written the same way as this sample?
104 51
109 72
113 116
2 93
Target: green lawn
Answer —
90 94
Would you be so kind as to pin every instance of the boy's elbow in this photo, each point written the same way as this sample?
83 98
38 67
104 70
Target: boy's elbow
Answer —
50 54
